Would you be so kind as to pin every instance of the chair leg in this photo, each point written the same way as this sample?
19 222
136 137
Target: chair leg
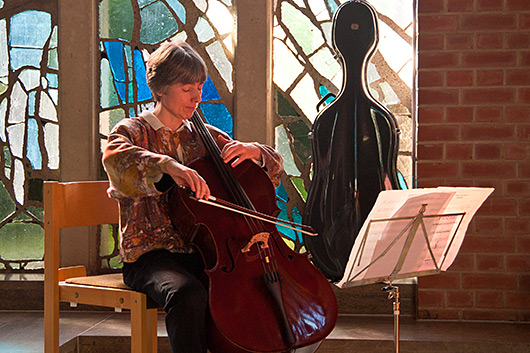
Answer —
152 330
139 330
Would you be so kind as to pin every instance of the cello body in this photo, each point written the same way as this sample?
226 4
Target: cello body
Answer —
354 145
263 296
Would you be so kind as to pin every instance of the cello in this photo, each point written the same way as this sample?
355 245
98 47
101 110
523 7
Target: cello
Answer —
263 296
354 147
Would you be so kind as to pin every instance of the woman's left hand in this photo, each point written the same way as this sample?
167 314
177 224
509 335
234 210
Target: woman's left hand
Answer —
237 151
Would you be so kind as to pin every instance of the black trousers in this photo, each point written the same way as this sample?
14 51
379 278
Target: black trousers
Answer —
172 281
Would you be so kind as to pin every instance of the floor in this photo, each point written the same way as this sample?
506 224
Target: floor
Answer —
86 332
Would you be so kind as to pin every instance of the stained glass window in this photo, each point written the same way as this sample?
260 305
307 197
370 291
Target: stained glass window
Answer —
29 128
306 69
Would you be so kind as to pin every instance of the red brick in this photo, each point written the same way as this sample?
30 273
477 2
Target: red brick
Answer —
429 133
444 280
487 151
430 115
463 262
490 41
517 40
524 58
524 21
524 283
517 77
487 132
518 225
492 59
428 298
431 79
488 170
489 96
489 281
459 114
489 225
460 78
430 6
438 96
435 23
489 299
489 114
459 5
490 77
517 151
524 96
437 60
524 206
488 22
459 41
427 41
493 263
517 301
488 245
495 206
518 188
459 299
489 5
518 114
523 132
430 152
517 263
523 245
437 170
517 5
459 151
523 170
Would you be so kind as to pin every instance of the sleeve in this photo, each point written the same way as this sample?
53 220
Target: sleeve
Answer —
133 170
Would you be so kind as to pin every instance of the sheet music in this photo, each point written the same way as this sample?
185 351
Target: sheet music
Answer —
388 234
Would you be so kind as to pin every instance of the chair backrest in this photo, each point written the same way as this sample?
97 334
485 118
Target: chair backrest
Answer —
79 204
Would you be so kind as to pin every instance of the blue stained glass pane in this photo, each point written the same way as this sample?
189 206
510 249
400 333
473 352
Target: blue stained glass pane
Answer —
323 91
282 193
209 92
132 112
115 55
31 103
33 151
144 93
217 115
20 57
289 233
52 80
402 182
332 6
30 29
131 92
179 9
143 3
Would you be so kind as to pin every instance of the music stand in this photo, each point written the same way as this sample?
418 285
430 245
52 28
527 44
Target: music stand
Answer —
411 233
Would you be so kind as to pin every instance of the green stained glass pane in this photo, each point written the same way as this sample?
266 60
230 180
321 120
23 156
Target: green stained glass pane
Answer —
325 63
53 62
116 19
204 30
20 241
284 148
7 206
305 33
3 87
284 107
302 145
299 184
157 23
287 68
108 95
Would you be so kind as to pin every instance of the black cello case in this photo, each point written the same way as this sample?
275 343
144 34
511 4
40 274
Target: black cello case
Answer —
354 144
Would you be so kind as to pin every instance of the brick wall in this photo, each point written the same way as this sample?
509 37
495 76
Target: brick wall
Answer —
474 130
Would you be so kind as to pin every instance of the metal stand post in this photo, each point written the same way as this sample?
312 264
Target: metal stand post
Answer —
393 293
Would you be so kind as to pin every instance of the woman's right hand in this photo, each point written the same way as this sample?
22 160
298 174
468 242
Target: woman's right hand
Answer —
185 176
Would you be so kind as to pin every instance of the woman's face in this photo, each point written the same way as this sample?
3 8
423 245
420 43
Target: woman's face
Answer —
180 100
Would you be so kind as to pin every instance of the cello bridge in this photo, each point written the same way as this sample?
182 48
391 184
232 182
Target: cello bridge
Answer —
262 239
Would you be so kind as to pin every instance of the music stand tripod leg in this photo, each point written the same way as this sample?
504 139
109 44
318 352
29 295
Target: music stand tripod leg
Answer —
393 293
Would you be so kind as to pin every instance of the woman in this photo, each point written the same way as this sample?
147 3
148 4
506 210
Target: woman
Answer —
141 154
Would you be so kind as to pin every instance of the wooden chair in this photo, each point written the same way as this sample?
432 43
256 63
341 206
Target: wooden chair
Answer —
81 204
